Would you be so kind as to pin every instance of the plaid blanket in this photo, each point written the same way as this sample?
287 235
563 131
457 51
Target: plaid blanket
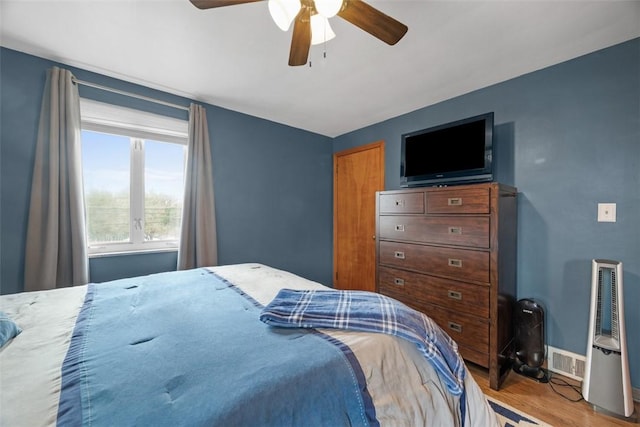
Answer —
370 312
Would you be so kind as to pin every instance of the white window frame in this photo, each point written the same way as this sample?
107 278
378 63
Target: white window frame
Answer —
138 126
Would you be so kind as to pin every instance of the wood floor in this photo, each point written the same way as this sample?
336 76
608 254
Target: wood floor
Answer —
539 400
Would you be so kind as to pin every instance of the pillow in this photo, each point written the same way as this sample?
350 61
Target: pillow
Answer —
8 329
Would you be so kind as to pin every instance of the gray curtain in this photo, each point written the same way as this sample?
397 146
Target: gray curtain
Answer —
198 241
56 248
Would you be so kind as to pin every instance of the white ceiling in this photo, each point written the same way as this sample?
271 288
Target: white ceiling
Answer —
236 57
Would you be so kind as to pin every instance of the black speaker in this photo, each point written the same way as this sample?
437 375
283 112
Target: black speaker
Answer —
529 340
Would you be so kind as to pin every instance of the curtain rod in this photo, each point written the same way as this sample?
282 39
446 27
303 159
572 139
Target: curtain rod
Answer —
129 94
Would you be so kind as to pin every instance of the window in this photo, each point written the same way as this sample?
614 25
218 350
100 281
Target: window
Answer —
133 171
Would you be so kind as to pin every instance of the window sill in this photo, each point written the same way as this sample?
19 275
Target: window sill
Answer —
132 252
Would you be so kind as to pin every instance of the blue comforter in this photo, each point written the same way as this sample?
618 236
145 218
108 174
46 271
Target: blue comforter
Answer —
187 348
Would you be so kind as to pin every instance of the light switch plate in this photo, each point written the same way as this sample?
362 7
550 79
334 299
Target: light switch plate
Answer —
606 212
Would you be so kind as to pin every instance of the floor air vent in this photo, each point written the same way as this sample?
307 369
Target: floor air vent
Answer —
580 366
565 363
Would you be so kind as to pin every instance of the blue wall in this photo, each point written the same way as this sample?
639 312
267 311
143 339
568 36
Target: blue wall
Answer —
568 137
273 183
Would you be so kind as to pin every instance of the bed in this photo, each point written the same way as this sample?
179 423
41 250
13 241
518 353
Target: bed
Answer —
189 348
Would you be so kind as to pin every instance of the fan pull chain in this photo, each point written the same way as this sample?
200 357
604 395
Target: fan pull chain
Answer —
324 46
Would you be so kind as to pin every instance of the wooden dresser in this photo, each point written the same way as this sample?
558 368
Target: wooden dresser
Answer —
450 252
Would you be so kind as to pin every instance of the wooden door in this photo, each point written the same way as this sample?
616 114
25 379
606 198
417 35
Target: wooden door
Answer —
358 174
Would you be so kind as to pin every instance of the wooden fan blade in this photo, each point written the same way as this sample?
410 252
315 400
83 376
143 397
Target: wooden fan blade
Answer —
301 39
210 4
373 21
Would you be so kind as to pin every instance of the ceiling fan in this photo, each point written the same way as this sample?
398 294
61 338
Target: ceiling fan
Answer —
303 13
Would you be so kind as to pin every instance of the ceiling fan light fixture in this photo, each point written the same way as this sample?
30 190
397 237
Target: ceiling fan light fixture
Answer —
283 12
311 25
320 29
328 8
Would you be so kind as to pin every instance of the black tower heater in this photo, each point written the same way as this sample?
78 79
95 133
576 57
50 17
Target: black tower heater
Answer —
529 340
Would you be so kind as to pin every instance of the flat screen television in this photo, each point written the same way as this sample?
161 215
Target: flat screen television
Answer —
458 152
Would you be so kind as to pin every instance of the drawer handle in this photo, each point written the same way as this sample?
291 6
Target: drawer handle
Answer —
399 227
455 262
454 201
454 326
455 295
400 202
455 230
398 281
399 254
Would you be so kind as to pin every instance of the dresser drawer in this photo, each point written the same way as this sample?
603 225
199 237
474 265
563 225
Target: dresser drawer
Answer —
470 231
460 264
472 355
401 203
471 334
467 331
458 296
469 201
